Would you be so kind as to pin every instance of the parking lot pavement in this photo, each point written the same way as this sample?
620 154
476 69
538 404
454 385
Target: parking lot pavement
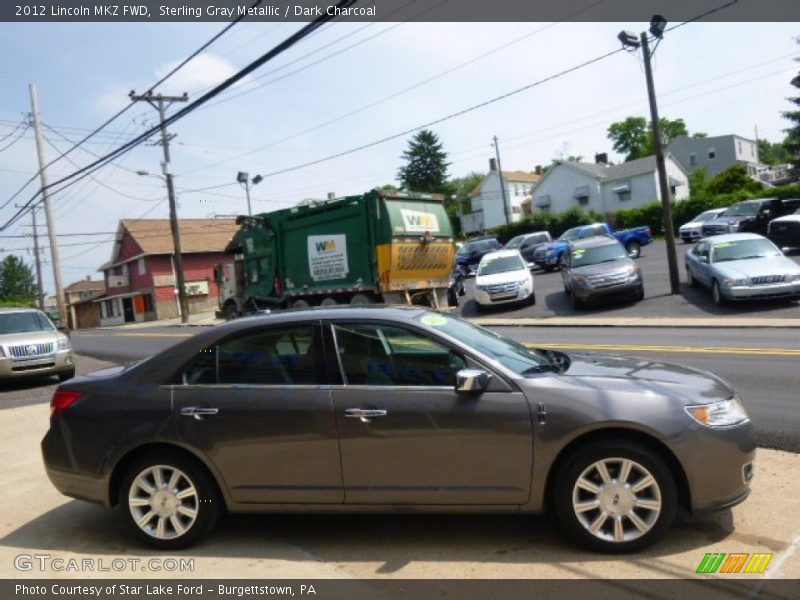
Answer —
551 301
38 521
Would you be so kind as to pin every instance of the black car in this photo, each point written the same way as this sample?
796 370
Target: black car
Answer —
784 231
600 268
471 253
527 243
751 216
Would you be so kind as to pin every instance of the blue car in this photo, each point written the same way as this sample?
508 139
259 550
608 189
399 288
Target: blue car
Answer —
471 253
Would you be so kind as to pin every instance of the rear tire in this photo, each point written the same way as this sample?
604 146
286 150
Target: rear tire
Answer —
362 299
328 302
301 303
169 500
231 311
634 249
615 496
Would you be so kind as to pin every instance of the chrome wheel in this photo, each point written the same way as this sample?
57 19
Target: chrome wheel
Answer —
164 502
616 500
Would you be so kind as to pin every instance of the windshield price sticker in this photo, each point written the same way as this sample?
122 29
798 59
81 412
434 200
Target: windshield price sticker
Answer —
434 320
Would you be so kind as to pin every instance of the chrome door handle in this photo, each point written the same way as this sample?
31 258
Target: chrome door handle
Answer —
198 412
365 415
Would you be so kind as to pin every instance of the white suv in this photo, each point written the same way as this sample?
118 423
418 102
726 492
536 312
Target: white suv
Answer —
503 277
31 346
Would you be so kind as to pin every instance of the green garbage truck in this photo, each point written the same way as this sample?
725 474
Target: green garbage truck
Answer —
381 246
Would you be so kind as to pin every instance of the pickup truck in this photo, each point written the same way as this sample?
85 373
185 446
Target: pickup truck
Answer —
548 257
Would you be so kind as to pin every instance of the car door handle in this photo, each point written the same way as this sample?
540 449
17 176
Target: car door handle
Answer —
198 412
365 415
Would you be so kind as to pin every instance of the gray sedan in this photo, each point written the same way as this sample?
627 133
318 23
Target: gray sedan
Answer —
389 409
742 266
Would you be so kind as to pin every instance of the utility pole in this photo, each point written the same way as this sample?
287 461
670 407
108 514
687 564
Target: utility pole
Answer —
502 182
39 288
666 200
51 230
161 103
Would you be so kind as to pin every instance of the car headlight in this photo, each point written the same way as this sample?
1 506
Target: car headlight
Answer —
793 277
582 279
63 343
720 414
730 282
734 226
550 252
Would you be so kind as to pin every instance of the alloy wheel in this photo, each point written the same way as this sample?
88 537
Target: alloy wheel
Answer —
164 502
616 500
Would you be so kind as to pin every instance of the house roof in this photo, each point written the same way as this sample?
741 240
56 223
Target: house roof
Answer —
624 170
154 236
509 177
91 298
85 285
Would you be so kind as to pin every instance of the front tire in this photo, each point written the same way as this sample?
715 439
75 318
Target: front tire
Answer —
231 311
716 294
170 502
615 496
634 249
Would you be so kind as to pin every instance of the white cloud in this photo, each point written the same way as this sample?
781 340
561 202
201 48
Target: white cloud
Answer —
202 72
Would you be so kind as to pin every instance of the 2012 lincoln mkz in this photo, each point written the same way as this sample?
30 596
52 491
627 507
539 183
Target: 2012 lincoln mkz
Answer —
397 409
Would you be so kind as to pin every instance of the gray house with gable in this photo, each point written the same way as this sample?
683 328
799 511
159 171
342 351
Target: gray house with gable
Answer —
606 188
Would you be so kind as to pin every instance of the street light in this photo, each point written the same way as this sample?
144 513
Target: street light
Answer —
244 178
628 39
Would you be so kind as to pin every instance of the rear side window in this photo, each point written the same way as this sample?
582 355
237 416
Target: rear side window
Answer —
285 356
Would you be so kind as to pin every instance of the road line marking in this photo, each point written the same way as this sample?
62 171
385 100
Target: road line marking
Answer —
669 349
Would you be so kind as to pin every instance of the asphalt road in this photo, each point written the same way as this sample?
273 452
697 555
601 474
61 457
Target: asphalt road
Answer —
760 363
692 302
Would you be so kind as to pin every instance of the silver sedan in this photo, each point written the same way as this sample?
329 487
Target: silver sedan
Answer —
742 266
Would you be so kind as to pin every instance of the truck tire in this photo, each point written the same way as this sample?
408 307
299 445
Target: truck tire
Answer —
634 249
328 302
301 303
231 311
362 299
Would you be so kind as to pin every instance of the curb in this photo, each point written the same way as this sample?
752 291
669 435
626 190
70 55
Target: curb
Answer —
654 322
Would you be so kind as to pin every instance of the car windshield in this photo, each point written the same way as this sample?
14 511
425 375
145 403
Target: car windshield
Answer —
515 242
570 234
23 322
473 246
599 254
741 210
512 355
743 249
706 216
500 264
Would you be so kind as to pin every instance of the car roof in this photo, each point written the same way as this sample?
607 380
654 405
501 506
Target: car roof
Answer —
733 237
501 253
594 242
755 200
18 309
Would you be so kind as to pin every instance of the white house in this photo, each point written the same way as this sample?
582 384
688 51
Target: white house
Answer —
486 200
607 188
716 153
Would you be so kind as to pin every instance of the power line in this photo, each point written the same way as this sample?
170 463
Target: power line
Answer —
264 58
15 140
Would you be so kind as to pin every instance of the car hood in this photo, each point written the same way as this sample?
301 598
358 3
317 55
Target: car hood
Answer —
556 245
756 267
507 277
603 268
786 219
650 378
726 220
15 339
692 225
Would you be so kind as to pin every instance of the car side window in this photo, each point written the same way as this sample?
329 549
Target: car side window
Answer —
701 249
279 356
386 355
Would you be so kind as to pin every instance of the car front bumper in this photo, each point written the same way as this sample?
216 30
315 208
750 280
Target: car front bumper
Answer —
718 464
755 292
485 299
690 235
52 364
628 288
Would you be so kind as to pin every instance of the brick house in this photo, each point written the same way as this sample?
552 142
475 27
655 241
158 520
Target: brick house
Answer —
140 277
82 292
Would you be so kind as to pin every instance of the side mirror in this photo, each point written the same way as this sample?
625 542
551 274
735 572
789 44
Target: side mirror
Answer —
472 380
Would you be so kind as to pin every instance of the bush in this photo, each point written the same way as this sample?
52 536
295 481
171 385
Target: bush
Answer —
555 223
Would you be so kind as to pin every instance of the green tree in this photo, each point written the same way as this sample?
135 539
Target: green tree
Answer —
773 154
633 137
698 182
16 281
732 180
426 164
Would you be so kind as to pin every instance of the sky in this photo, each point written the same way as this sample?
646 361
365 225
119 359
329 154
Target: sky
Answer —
348 85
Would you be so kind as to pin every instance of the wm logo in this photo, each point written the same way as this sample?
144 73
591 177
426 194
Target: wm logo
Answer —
743 562
326 246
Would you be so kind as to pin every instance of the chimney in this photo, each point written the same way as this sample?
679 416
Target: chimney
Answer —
493 165
88 278
601 158
538 169
331 195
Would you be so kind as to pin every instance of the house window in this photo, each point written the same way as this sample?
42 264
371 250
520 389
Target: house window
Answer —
140 264
624 196
583 201
692 159
111 308
740 146
712 153
515 210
